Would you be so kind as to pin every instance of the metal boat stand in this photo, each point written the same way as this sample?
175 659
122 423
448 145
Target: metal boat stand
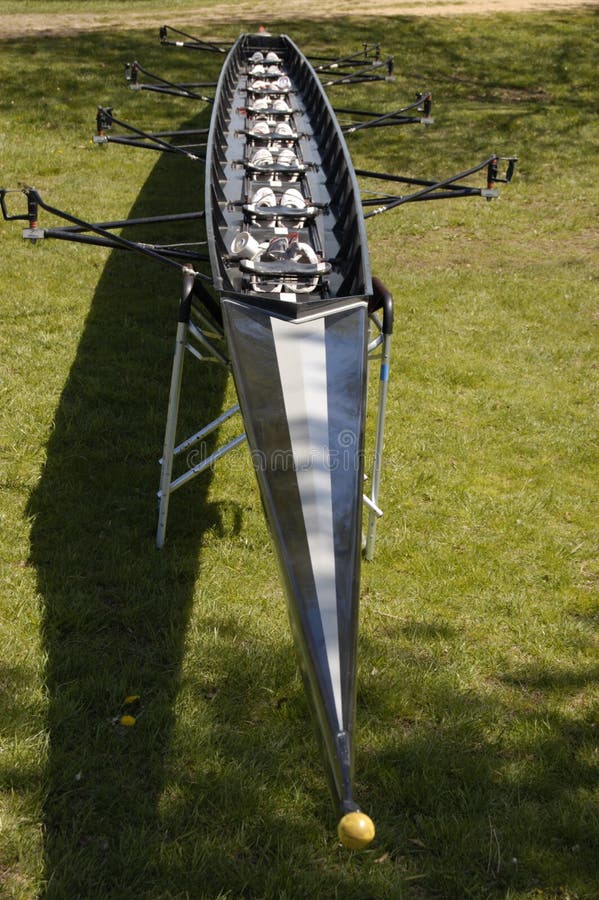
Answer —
197 329
381 337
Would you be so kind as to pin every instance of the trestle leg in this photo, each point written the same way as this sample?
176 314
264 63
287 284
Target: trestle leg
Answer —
173 404
386 301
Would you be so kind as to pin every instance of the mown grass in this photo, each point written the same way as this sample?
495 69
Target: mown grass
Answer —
97 6
477 740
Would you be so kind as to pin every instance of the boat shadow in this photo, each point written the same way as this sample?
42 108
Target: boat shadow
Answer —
114 610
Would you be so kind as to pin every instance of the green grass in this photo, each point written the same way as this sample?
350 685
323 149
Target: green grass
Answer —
477 724
99 6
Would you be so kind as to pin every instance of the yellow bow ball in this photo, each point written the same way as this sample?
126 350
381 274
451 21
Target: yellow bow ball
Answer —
355 830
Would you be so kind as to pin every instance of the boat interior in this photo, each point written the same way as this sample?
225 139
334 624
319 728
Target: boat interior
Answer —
284 215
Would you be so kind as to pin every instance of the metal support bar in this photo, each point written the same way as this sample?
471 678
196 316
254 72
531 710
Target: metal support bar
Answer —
173 404
447 188
365 75
378 120
375 343
387 123
163 85
146 145
205 343
402 179
193 43
384 299
173 92
356 79
372 506
205 431
146 220
206 463
150 140
387 202
355 59
166 251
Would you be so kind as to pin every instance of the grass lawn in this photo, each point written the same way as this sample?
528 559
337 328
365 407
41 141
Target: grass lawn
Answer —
100 6
477 742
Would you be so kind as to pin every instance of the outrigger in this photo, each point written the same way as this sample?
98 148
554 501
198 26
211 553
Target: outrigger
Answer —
293 297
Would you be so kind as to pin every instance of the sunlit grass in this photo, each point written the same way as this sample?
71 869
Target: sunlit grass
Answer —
99 6
477 743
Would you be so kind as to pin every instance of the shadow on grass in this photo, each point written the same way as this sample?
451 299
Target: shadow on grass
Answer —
115 609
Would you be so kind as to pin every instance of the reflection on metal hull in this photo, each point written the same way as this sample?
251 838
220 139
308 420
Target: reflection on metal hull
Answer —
301 391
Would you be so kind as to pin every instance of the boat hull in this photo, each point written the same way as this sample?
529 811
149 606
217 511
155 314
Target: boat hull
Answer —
301 392
294 287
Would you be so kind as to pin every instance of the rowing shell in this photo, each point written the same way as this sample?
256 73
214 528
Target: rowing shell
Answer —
289 259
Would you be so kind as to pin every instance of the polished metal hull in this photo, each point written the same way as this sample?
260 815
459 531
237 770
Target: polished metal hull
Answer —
296 323
301 391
